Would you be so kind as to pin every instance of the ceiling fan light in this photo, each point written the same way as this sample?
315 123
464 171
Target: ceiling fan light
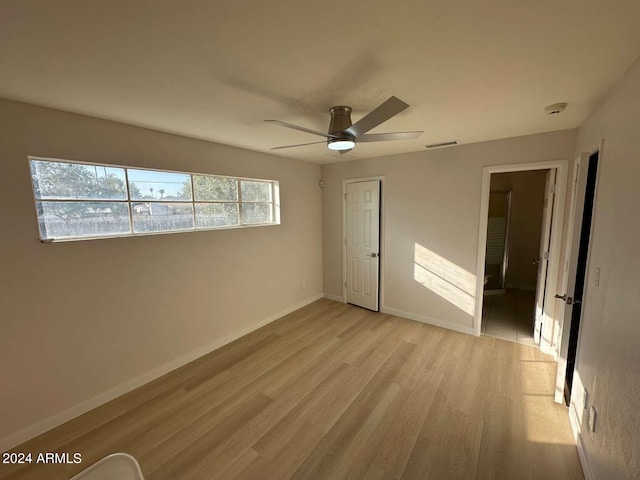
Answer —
341 145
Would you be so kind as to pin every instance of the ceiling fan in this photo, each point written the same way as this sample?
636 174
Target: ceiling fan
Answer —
343 135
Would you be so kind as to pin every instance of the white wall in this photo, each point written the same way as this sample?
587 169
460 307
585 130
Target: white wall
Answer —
82 321
608 362
432 201
525 225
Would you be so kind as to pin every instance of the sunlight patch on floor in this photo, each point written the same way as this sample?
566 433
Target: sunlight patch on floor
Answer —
545 420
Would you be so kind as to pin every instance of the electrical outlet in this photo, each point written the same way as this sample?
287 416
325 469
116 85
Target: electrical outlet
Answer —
597 275
592 419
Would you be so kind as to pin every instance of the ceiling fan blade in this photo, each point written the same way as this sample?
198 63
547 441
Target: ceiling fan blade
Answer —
299 145
380 114
385 137
302 129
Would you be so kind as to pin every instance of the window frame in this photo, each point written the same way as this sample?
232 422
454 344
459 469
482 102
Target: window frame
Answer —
274 189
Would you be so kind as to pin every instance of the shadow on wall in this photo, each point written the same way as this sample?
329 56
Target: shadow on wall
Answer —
444 278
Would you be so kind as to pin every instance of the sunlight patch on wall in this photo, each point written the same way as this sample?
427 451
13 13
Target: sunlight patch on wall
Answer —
444 278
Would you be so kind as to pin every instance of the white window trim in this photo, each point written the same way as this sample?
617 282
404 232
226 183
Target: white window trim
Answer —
274 190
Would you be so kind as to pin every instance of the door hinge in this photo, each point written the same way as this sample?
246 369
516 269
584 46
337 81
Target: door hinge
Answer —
545 256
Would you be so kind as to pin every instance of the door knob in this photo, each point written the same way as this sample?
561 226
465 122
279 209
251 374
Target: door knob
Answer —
373 255
536 262
568 300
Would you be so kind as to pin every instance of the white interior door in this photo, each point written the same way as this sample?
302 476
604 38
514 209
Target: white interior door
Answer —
565 310
543 257
363 243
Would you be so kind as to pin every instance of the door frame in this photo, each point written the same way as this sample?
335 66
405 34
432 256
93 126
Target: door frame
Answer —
557 223
382 254
571 249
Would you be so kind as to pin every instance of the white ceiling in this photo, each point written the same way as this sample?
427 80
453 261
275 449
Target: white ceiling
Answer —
471 70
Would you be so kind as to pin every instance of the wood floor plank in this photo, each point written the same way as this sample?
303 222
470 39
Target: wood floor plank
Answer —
453 442
240 441
400 435
235 467
284 461
336 456
334 391
181 465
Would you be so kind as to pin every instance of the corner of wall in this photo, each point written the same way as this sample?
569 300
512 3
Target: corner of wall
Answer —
335 298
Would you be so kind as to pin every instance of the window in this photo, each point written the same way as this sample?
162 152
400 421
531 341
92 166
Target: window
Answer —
79 201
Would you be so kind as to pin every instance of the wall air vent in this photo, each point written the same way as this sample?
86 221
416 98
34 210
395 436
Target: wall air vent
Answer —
443 144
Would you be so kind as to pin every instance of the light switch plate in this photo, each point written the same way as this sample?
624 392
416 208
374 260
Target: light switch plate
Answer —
597 275
592 419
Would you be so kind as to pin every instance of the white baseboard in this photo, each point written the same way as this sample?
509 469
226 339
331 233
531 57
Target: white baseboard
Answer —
430 320
335 298
59 418
575 427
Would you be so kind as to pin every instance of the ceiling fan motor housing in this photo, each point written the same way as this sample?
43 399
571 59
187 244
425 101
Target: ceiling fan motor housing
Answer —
340 121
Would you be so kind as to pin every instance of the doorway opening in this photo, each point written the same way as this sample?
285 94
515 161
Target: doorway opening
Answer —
516 260
521 215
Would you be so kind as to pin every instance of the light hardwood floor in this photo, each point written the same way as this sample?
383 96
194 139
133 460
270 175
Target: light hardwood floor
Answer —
334 391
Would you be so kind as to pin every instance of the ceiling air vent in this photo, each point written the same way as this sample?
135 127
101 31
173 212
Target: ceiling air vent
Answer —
443 144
